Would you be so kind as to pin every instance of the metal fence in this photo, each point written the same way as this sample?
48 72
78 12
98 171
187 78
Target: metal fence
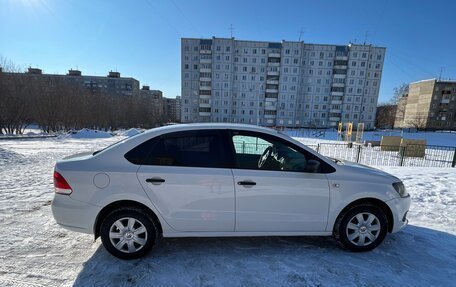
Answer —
410 155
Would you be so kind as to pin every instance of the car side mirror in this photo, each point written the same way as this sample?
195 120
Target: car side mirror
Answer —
313 166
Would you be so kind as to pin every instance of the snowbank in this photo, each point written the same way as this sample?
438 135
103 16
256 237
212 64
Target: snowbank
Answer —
88 134
129 133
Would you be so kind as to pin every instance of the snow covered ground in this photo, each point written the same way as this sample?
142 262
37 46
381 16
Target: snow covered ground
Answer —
37 252
439 138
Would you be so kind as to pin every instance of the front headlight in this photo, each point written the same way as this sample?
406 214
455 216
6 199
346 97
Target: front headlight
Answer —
400 188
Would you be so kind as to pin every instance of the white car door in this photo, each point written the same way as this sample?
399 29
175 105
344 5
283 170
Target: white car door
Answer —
186 177
281 195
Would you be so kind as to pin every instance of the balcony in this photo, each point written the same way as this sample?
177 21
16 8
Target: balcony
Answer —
269 116
340 76
340 85
334 119
274 55
445 101
337 93
205 88
204 114
272 90
204 97
269 99
336 102
205 70
274 64
205 79
340 67
205 61
204 105
272 73
335 111
341 58
272 82
206 52
270 108
271 96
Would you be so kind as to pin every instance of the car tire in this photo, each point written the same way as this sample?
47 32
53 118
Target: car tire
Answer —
362 228
128 233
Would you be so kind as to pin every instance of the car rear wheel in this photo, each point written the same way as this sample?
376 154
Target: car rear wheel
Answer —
128 233
362 228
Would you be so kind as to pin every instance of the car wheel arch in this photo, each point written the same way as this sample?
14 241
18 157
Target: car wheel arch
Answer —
105 211
366 201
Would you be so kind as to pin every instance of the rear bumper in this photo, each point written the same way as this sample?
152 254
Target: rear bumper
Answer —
399 207
73 214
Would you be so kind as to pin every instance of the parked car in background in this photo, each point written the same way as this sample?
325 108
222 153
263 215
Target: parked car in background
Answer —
209 180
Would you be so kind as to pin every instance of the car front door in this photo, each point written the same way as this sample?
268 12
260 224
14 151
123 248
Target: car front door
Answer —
187 178
275 192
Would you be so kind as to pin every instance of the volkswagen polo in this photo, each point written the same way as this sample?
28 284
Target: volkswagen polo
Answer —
211 180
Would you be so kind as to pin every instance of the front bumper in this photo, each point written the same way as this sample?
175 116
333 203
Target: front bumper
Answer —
399 207
73 214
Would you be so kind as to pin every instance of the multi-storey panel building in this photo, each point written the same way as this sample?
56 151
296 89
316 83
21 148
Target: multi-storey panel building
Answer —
291 84
112 84
172 109
430 104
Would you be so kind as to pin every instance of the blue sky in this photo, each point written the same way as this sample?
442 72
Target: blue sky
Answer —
141 38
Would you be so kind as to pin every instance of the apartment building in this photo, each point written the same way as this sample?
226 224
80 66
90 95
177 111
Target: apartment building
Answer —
172 109
155 97
292 84
112 84
430 104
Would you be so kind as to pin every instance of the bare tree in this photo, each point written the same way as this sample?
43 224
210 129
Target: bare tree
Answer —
399 92
56 104
14 98
419 122
400 101
386 114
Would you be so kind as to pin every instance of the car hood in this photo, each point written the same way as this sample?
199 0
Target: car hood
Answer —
357 168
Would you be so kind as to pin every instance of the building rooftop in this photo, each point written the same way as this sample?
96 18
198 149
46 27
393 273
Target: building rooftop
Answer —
435 80
281 42
71 72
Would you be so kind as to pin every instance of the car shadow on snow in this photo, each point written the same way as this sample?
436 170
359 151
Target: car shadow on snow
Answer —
415 256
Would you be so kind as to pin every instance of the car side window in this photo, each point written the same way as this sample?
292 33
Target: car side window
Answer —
190 149
256 152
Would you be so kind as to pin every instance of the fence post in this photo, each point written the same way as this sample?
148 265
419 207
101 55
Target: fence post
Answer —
454 159
402 150
243 147
359 154
318 149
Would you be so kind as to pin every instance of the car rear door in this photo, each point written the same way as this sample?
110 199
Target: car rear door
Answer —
280 196
188 179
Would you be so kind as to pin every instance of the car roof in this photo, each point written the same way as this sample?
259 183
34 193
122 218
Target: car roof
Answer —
204 126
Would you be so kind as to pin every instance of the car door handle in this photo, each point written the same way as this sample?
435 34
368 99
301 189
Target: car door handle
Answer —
247 183
155 180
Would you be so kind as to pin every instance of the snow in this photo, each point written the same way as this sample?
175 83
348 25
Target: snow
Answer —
440 138
37 252
129 133
87 134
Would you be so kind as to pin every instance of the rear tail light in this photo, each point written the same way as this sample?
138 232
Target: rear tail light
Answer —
60 184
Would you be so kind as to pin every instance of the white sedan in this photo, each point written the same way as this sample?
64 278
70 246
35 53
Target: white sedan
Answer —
209 180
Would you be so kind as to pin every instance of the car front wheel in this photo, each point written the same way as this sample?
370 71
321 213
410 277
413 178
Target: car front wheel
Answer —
362 228
128 233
